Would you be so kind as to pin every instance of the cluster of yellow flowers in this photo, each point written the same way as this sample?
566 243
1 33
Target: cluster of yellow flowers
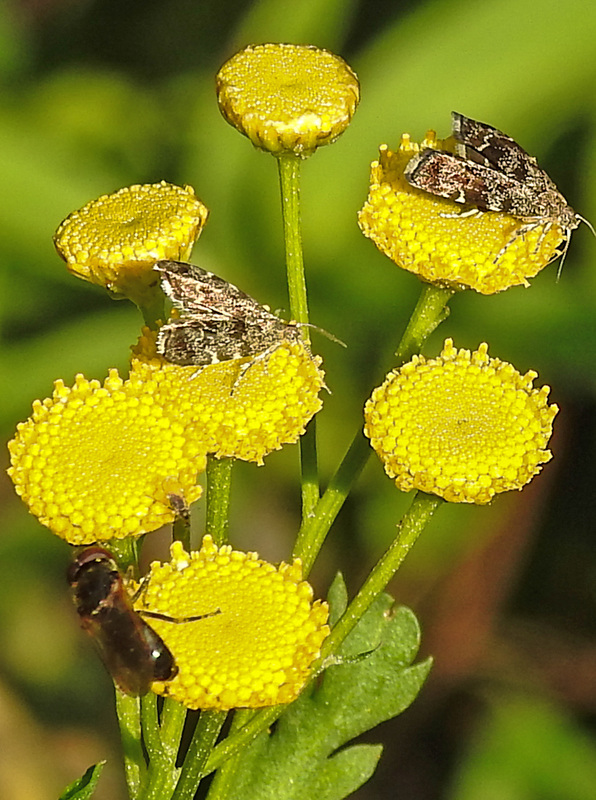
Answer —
97 462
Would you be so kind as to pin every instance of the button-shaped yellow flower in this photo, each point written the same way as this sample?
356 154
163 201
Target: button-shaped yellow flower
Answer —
462 426
287 98
258 651
431 237
96 462
114 241
242 408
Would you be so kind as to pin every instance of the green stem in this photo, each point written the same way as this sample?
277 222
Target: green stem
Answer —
234 743
162 774
430 311
151 306
408 530
219 483
223 782
125 551
181 530
316 527
129 719
201 746
289 178
150 725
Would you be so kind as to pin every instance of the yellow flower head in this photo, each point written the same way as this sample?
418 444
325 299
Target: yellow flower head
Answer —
462 426
258 651
242 414
95 463
429 236
114 241
287 98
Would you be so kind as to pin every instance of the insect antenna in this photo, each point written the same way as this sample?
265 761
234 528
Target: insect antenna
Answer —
177 620
564 255
325 333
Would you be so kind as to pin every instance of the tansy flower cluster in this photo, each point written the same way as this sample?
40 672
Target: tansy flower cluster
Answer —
430 236
258 650
462 426
287 98
96 462
114 241
241 408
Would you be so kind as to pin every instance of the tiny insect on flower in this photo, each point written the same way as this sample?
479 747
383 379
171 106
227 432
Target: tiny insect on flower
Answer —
133 653
219 322
491 172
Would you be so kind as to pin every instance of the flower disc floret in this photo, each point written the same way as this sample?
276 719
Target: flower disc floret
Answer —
114 241
430 236
258 650
462 426
287 98
96 462
244 414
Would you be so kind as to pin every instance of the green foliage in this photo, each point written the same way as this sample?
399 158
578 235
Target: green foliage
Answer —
527 749
301 759
74 126
83 787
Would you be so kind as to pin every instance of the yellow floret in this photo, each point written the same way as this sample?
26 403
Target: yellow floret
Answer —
462 426
287 98
429 236
258 651
114 241
243 415
96 462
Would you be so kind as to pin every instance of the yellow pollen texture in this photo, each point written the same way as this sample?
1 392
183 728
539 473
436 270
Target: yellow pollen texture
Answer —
115 240
97 462
286 97
429 235
246 415
462 426
258 650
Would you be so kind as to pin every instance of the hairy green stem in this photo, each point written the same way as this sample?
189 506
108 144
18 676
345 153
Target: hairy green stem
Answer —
409 529
289 178
162 773
203 740
219 484
128 710
430 311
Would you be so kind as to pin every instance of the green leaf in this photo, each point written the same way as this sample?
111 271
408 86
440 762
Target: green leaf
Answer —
299 758
84 786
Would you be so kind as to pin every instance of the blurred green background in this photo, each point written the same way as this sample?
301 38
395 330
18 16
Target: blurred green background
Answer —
99 95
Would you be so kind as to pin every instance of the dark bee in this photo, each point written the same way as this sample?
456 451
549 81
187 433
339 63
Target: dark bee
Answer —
133 653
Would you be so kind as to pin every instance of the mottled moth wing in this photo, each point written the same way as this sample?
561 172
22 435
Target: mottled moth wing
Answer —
194 291
493 173
219 322
483 144
190 342
453 177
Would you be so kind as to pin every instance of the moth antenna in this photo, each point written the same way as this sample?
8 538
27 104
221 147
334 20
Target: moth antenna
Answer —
586 222
325 333
564 255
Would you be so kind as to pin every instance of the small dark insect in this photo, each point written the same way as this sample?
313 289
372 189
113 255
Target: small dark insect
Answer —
218 321
179 506
133 653
491 172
